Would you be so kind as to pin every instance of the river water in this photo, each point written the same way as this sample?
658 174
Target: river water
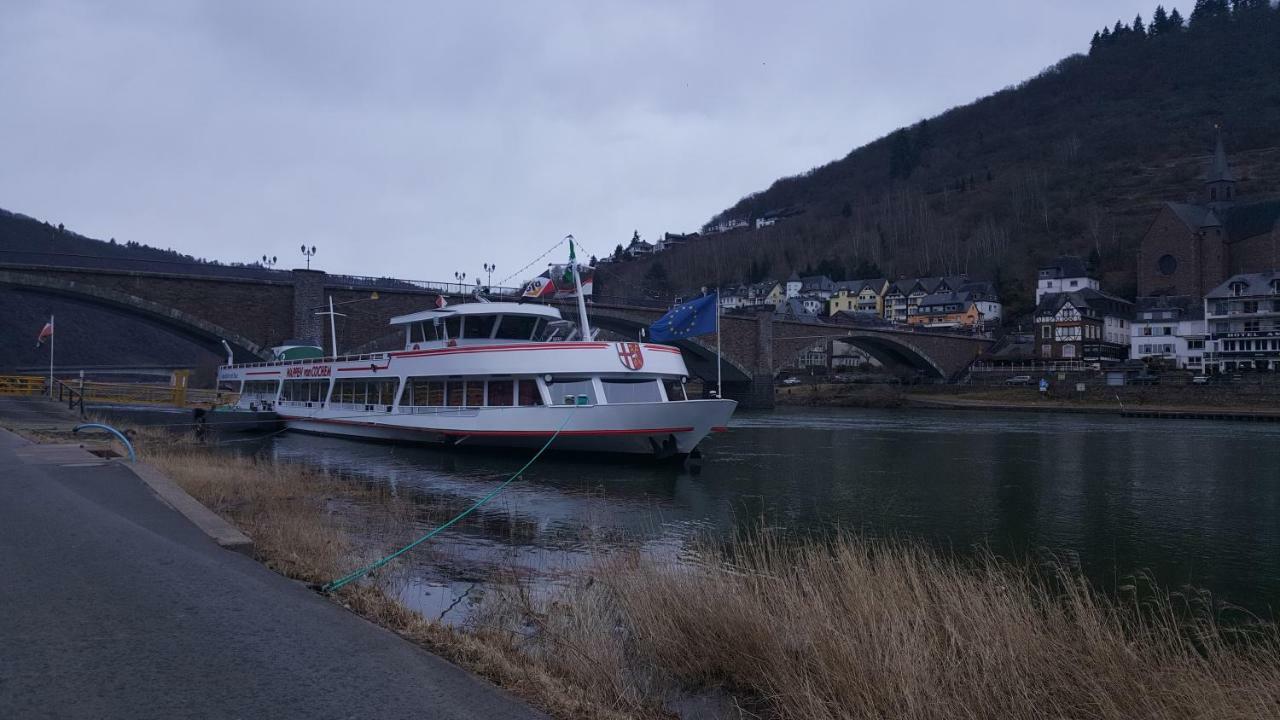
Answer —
1188 502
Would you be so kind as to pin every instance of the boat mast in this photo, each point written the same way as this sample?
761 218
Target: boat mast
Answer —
582 300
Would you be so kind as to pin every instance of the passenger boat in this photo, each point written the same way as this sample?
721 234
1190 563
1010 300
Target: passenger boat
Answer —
496 374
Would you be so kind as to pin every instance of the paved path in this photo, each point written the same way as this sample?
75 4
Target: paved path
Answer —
112 605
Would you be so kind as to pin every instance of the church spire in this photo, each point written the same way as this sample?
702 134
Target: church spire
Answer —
1219 180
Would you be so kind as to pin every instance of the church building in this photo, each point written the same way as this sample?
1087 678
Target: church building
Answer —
1192 248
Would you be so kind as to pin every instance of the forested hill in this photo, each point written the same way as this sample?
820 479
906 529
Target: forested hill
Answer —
26 240
1076 159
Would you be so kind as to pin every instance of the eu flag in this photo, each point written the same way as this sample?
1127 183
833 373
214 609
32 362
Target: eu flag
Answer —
696 317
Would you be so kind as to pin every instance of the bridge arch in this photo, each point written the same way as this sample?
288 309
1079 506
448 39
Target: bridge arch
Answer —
699 356
181 322
889 350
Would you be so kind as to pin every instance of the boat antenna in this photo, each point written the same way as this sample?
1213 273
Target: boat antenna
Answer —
577 286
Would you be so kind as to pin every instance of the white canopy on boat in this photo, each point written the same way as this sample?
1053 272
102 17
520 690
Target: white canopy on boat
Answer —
489 308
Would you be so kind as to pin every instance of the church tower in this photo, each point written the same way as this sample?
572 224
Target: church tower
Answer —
1219 181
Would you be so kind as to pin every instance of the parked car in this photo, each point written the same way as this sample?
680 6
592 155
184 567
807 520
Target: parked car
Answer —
1200 380
791 381
1018 380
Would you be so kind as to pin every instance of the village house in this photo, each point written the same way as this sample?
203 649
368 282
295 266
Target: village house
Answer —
818 286
1169 329
1085 325
794 283
862 296
947 310
1064 274
1242 317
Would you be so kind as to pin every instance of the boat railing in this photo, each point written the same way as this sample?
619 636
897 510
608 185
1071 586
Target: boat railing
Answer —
308 361
454 410
360 407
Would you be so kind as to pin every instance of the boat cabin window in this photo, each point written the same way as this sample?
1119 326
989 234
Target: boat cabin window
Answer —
501 393
478 326
425 331
365 391
261 387
527 394
312 391
422 392
452 326
470 392
517 327
564 391
632 391
675 390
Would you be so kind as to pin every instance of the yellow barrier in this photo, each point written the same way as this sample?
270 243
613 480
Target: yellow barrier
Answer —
22 385
137 394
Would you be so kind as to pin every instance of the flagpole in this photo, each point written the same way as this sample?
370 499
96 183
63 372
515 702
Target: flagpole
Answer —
52 332
719 389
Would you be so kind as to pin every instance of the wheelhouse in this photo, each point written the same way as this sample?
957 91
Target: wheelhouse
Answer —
483 323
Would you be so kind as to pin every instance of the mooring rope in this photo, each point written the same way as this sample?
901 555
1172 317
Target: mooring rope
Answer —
356 575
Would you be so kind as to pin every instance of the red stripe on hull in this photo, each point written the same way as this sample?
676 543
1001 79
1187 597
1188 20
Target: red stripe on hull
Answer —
497 433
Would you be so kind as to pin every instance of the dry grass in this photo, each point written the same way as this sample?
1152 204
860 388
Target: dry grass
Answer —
850 629
860 629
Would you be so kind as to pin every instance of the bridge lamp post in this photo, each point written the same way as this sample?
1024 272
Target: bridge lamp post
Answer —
268 262
488 269
461 277
309 253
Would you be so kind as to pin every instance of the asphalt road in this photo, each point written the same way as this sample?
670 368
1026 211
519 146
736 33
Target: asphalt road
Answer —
113 606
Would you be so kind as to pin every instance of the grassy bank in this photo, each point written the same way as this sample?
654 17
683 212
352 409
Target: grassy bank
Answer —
851 628
841 395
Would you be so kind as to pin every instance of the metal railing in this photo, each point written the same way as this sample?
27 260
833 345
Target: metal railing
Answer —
446 288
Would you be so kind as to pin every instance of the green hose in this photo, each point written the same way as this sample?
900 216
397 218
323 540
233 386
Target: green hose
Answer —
336 584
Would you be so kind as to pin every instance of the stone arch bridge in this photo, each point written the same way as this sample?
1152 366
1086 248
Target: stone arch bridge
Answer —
252 313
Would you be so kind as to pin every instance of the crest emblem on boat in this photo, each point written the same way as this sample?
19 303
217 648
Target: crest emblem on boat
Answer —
631 355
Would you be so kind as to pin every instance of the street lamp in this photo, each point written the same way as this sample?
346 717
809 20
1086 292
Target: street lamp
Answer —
461 277
489 268
309 253
268 262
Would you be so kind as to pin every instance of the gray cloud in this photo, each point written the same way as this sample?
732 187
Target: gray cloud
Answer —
413 139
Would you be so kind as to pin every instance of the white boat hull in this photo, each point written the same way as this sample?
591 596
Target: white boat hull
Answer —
653 429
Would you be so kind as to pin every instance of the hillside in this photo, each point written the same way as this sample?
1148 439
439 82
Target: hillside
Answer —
1074 160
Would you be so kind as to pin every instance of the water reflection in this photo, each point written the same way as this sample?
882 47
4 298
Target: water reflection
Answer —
1193 502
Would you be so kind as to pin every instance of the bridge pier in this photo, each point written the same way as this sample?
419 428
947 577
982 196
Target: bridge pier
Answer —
308 294
756 394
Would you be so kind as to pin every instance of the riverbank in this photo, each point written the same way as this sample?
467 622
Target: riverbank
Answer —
852 627
1167 402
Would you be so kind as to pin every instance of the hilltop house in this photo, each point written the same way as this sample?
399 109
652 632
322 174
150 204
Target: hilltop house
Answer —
1087 325
1064 274
1191 248
638 247
1171 329
1242 317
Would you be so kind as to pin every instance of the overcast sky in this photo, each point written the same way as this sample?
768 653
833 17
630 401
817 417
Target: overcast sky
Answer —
417 139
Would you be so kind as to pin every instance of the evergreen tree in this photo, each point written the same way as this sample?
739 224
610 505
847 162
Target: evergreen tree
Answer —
1176 23
1160 21
617 251
900 165
1105 37
1139 30
1095 42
